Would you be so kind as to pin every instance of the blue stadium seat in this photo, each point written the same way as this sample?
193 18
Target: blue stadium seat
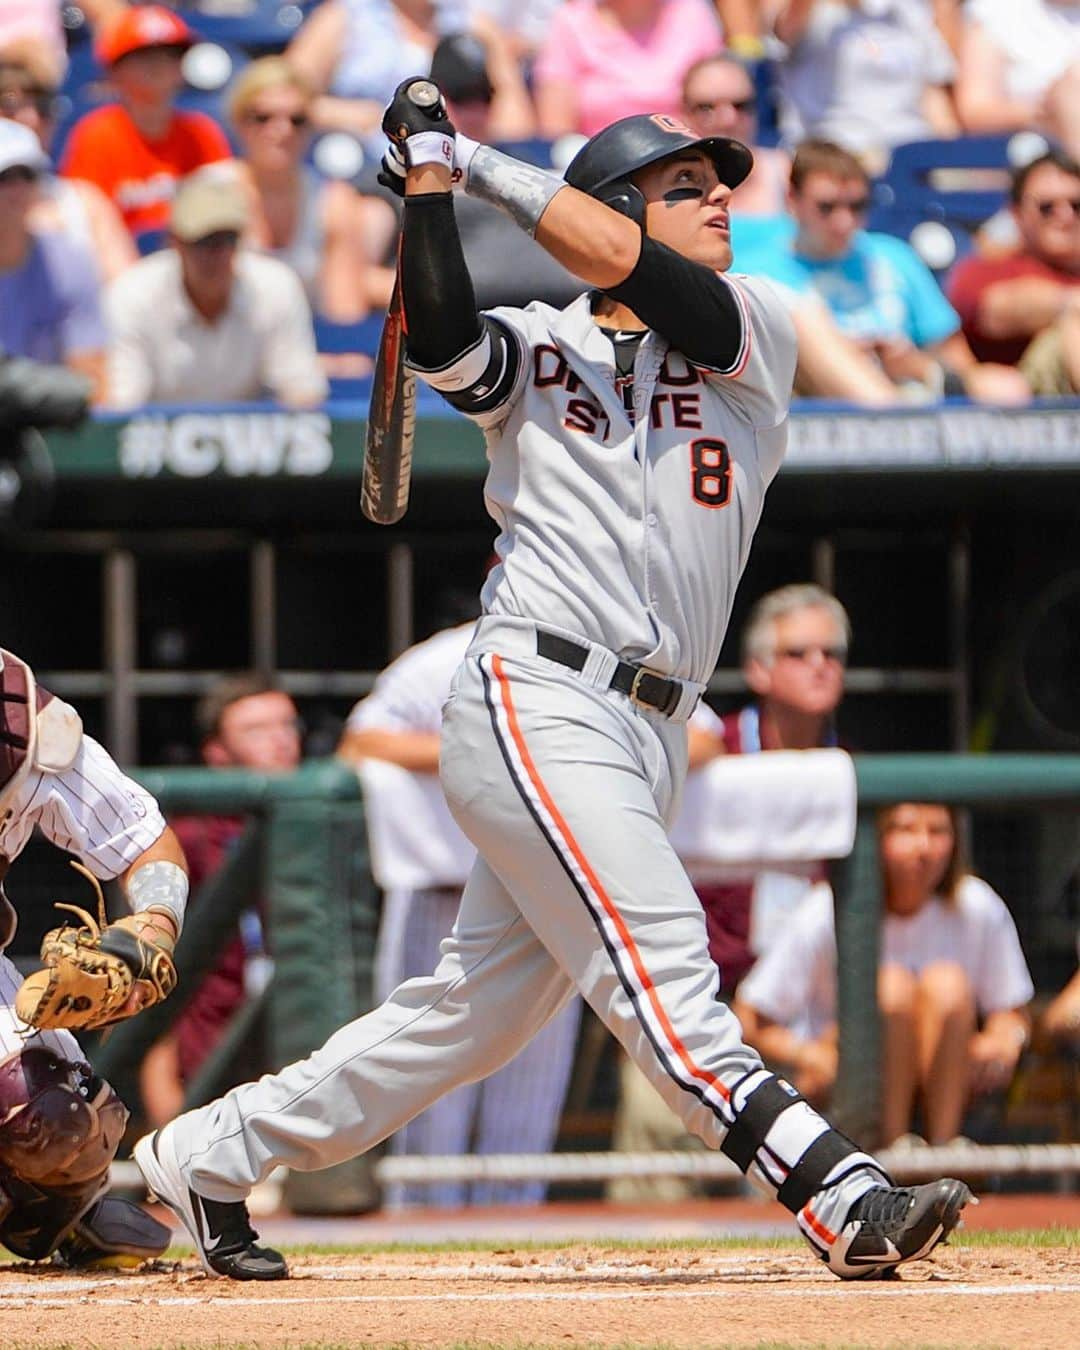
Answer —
767 92
536 150
338 338
348 339
932 180
259 26
954 184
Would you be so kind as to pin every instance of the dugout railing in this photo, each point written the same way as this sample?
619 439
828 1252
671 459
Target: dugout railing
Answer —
305 854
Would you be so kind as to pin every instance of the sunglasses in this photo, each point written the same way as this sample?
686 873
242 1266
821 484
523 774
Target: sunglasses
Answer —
297 120
1046 206
219 239
743 105
19 173
838 654
858 206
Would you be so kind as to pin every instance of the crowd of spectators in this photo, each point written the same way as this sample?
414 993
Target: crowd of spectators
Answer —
824 91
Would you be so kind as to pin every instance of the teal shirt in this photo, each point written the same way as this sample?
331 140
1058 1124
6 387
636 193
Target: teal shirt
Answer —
880 289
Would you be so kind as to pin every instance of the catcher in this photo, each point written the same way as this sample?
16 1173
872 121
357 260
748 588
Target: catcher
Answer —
60 1125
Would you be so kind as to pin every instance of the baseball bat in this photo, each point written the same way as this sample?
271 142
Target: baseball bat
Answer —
391 422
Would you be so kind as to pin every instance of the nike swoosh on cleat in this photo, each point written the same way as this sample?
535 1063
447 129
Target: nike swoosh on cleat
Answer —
210 1243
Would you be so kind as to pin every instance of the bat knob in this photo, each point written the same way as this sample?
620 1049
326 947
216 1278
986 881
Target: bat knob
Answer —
423 93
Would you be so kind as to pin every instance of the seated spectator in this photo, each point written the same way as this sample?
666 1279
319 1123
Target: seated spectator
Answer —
245 723
606 59
719 99
354 54
49 302
319 228
1020 69
867 75
137 149
794 653
508 267
879 291
953 984
1024 308
29 89
205 321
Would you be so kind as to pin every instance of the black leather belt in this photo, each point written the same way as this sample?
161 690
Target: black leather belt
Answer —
643 686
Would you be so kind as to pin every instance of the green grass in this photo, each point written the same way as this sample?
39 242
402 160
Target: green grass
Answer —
1016 1237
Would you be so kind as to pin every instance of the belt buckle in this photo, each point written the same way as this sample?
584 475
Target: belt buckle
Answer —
635 691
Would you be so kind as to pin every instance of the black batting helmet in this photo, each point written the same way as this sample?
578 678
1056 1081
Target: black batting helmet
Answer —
603 165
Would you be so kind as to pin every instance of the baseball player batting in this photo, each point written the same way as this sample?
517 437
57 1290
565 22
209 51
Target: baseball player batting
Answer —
631 438
60 1124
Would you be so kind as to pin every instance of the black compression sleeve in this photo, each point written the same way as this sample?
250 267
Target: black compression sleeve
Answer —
437 291
685 302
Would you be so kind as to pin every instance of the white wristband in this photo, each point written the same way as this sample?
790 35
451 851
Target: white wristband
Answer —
430 147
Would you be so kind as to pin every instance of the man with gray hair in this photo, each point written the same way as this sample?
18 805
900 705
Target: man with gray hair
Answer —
794 652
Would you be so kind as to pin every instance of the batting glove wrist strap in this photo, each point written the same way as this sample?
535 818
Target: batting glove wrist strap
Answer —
429 147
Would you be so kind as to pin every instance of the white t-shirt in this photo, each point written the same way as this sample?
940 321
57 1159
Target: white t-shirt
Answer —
162 351
794 983
409 694
1038 40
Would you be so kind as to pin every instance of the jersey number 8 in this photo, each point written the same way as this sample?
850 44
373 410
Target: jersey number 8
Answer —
710 472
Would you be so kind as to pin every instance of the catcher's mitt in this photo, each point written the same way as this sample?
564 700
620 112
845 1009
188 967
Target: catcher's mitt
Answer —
92 971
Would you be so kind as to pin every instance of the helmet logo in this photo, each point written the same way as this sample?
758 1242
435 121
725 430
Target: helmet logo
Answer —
672 125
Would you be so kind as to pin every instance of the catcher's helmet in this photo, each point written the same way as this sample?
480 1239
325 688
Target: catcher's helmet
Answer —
603 165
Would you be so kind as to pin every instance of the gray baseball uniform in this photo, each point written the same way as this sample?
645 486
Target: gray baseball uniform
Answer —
626 503
517 1109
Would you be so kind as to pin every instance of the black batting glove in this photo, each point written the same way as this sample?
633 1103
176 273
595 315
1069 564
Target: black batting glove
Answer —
417 106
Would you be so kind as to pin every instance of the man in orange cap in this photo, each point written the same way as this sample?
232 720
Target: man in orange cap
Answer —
137 148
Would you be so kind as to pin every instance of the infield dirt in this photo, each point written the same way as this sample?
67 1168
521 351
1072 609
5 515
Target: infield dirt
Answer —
584 1295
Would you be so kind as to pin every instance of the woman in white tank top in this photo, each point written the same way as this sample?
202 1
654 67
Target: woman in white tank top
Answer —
333 238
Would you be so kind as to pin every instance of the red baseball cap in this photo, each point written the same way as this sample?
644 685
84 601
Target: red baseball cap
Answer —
139 27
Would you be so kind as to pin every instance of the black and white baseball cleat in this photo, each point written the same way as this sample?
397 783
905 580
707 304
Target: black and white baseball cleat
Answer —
221 1230
889 1226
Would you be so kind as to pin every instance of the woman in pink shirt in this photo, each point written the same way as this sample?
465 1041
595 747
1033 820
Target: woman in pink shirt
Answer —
605 59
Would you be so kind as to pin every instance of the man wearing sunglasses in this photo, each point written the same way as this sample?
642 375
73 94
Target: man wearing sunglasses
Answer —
1024 308
207 321
878 290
